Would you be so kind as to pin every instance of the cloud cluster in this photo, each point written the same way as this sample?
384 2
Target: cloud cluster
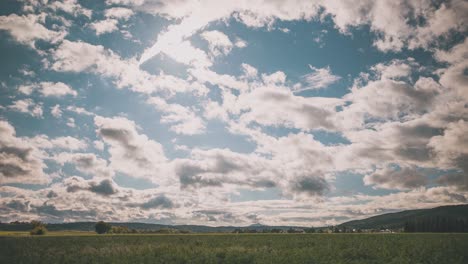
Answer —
20 162
131 153
48 89
27 29
83 57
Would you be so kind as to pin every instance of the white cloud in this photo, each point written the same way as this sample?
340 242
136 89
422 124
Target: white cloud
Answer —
99 145
197 14
57 89
67 142
181 119
387 99
240 43
87 163
27 29
84 57
278 77
319 78
105 26
276 106
452 146
222 80
71 122
249 70
454 76
118 13
131 153
379 15
27 106
71 7
56 111
79 110
218 42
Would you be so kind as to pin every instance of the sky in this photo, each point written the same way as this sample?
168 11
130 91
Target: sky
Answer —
291 112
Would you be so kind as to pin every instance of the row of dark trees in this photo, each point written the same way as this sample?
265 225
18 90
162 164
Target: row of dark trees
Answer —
38 228
437 224
102 227
276 230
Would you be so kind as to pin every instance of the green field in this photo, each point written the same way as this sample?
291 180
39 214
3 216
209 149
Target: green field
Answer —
234 248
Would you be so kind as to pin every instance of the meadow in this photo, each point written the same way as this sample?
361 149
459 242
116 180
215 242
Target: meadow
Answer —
83 247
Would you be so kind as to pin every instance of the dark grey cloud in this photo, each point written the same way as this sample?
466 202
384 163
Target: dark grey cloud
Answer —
105 187
397 178
18 205
458 179
10 170
311 185
51 194
158 202
17 162
218 167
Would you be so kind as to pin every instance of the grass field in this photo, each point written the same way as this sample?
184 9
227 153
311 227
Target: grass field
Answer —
65 247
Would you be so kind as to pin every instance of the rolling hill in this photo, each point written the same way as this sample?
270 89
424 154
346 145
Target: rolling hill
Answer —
397 220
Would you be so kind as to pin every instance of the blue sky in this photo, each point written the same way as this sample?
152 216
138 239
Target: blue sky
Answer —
211 112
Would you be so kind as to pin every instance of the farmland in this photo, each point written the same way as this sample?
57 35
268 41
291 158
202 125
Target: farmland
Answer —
85 247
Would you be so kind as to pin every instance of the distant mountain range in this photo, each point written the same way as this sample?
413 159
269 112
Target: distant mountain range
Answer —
89 226
390 221
397 220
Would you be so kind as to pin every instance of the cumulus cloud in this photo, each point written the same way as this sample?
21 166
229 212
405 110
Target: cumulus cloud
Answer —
379 15
131 153
104 187
56 111
310 185
26 29
181 119
87 163
451 150
219 43
105 26
454 76
218 167
48 89
392 98
84 57
318 78
20 161
160 201
71 7
27 106
273 106
67 142
118 13
396 178
198 14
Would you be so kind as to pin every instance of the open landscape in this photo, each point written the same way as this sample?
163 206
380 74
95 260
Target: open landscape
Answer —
359 241
236 248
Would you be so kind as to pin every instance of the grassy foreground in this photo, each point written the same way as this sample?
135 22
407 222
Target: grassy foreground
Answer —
232 248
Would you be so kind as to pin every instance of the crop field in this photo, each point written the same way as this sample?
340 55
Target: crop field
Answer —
234 248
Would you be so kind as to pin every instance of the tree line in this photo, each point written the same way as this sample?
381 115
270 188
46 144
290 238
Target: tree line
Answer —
437 224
